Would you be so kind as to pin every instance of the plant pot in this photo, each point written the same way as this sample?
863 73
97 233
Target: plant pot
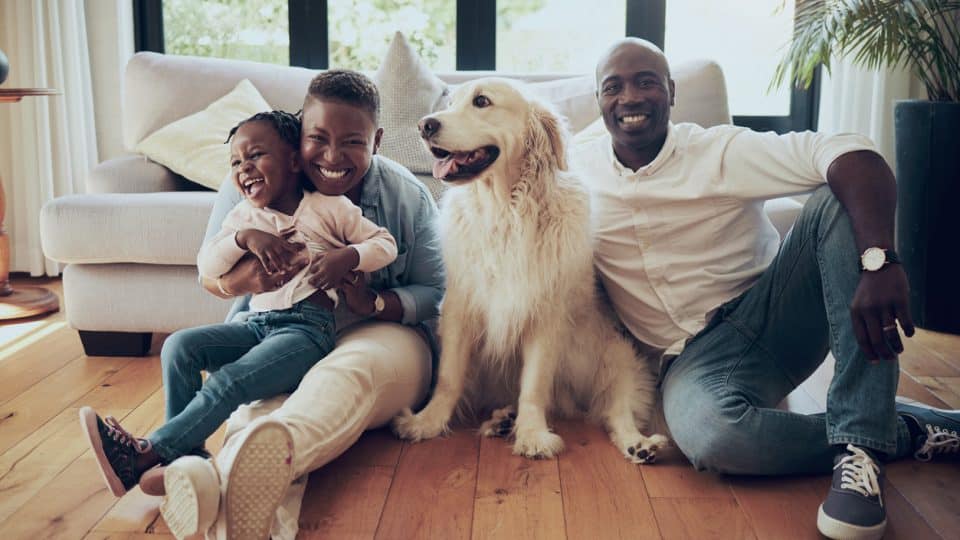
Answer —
928 209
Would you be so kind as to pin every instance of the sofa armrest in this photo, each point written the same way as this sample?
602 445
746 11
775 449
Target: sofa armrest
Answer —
135 174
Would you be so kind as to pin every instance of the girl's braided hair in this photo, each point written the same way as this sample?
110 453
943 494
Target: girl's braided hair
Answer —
287 126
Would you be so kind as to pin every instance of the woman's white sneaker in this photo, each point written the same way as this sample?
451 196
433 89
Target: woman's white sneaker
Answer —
259 476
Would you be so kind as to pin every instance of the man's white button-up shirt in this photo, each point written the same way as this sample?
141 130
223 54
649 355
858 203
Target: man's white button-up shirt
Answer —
680 236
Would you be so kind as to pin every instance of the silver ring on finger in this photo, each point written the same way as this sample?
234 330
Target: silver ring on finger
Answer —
890 328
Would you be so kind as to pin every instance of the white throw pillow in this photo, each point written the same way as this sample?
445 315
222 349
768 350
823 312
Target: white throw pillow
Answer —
193 147
408 92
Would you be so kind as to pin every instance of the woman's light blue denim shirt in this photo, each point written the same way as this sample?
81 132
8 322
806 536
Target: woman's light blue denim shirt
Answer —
393 198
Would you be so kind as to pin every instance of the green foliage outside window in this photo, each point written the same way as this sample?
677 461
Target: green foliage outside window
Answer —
359 30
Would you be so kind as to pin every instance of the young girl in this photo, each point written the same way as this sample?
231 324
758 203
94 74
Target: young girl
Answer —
286 331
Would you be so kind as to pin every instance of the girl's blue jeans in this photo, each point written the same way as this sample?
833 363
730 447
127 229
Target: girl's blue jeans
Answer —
263 356
720 394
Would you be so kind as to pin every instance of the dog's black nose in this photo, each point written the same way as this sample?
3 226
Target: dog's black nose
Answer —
429 127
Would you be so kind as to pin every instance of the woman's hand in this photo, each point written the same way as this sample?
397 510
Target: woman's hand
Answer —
330 267
357 295
275 254
249 276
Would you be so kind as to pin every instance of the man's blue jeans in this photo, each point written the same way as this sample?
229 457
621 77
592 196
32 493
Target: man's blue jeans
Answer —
265 355
719 394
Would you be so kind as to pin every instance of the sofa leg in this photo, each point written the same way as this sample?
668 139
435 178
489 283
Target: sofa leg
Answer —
115 343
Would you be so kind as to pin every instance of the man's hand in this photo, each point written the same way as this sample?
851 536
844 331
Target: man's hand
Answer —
249 276
881 299
329 268
276 254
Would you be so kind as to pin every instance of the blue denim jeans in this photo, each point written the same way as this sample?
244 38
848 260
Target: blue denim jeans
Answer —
719 394
263 356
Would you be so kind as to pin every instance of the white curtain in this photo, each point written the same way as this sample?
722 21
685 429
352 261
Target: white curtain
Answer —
853 99
47 144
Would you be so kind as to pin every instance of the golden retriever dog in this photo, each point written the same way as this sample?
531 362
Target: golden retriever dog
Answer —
522 321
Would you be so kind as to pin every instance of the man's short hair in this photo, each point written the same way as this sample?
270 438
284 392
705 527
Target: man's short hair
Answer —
349 87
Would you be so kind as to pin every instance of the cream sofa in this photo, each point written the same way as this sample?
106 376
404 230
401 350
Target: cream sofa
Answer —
130 242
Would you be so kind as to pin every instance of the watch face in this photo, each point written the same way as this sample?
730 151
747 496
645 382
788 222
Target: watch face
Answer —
873 259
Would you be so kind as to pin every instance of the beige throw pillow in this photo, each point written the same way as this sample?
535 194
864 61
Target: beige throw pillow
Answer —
193 146
408 92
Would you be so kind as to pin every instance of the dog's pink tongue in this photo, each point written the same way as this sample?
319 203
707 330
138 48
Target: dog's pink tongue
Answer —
444 167
451 164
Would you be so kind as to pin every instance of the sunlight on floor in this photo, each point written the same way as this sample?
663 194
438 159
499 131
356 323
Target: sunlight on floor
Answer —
17 336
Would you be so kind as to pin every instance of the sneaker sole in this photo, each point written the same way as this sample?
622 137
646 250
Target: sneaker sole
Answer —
88 422
192 496
840 530
260 476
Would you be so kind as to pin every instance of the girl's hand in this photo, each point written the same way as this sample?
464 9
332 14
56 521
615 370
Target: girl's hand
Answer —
330 267
275 253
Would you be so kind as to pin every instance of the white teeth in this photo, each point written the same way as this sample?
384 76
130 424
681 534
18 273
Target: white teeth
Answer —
251 181
332 174
633 118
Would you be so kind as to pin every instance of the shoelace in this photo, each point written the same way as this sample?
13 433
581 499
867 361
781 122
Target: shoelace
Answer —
124 437
859 473
939 441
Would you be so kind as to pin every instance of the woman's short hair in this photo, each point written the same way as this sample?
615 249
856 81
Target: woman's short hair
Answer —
346 86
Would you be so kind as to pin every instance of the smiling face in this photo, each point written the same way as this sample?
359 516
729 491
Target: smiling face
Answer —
635 94
264 168
481 131
337 145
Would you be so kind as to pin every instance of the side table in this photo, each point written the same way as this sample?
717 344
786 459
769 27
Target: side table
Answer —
22 301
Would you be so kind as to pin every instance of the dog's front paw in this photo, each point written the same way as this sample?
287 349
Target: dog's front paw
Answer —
537 444
645 450
500 424
417 427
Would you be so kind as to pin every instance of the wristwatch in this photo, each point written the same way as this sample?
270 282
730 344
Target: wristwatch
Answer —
874 258
379 304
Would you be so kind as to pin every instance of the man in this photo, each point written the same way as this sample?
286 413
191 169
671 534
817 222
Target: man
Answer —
695 269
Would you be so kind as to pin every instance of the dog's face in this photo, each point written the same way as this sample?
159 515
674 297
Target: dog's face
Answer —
490 130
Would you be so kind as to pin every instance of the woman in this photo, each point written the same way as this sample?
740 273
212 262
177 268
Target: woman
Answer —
385 342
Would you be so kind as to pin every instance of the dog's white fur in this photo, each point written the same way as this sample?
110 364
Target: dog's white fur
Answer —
522 321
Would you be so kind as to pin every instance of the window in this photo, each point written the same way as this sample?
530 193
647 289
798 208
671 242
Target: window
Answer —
240 29
361 30
553 36
531 36
746 42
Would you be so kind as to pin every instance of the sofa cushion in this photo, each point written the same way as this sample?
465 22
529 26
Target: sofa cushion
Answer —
574 98
194 147
152 228
162 88
408 92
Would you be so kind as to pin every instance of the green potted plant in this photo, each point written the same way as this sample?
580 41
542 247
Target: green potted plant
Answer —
924 36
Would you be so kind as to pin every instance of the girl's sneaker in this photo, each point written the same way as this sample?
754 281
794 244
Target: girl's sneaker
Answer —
122 457
192 499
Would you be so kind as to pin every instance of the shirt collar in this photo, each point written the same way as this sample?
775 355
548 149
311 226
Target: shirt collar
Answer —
370 193
669 146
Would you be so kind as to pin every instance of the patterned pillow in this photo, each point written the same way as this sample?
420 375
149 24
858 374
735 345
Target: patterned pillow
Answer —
408 92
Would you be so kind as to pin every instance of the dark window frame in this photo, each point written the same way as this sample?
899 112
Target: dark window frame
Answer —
476 46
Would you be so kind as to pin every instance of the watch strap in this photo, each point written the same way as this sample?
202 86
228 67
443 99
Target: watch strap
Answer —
892 256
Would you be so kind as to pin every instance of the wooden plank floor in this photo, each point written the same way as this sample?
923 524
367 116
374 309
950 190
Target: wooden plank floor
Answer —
460 487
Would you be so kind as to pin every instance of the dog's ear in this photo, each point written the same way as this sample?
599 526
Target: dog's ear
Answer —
545 141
